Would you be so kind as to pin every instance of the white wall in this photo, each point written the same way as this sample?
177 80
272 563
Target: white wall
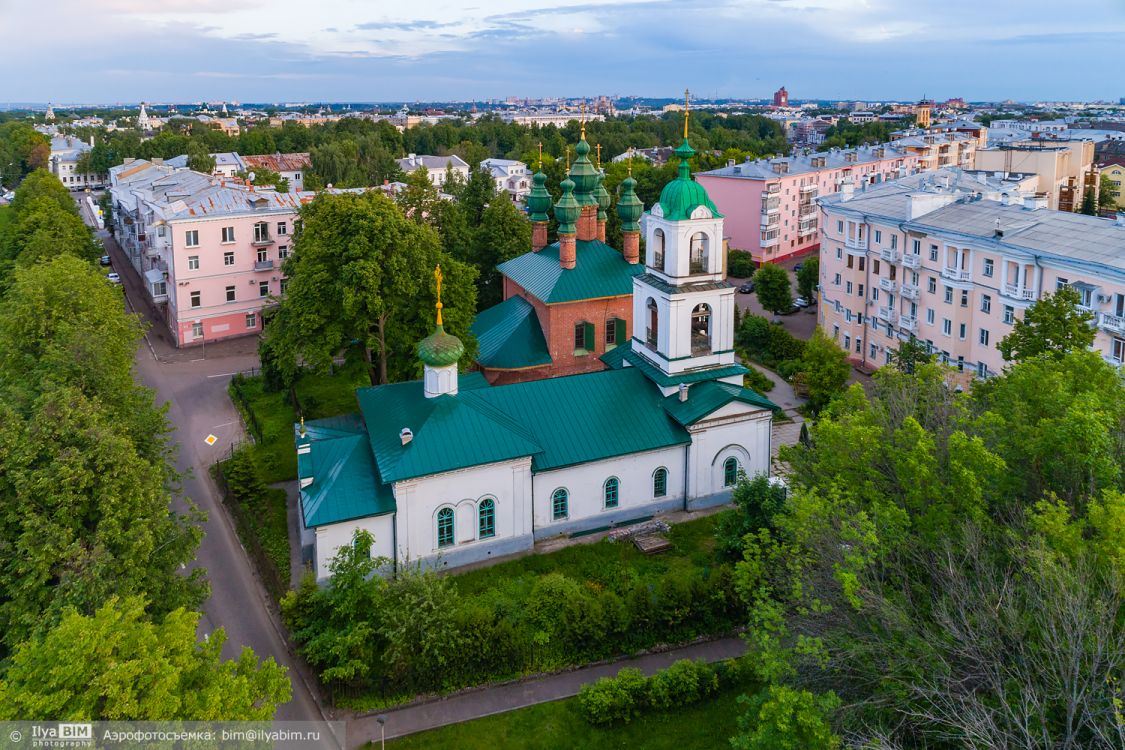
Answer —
738 430
585 483
419 500
330 538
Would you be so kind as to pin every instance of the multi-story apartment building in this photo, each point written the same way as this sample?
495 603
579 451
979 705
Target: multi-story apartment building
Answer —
938 150
208 250
437 167
770 205
511 177
954 260
64 163
1065 168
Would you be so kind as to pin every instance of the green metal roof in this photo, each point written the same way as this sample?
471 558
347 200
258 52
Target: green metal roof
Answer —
587 417
440 349
509 336
704 398
449 432
617 358
601 271
345 482
683 195
697 286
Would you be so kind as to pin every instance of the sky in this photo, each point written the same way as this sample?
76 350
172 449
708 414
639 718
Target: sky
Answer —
108 51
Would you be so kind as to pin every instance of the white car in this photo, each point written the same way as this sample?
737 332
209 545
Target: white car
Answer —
114 278
801 302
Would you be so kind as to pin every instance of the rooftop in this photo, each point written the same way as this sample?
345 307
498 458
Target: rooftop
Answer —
294 162
600 272
763 169
509 336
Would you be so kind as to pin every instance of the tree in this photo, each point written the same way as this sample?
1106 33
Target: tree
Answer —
1108 194
1053 325
200 159
115 665
22 150
44 231
477 194
362 272
264 178
824 369
419 199
808 277
1089 203
504 233
42 184
771 284
910 354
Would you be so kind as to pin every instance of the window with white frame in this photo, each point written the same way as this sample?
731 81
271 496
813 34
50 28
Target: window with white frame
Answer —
191 238
197 330
193 262
989 267
228 234
985 303
947 326
263 289
251 320
1009 314
196 299
230 294
228 258
984 337
930 316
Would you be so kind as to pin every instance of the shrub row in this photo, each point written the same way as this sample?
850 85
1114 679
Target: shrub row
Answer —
770 344
630 694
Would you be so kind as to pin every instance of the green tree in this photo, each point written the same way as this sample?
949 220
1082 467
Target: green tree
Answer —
1053 325
1108 193
1089 203
44 231
504 233
808 277
42 184
22 151
771 284
115 665
361 271
419 200
477 194
910 354
824 369
200 159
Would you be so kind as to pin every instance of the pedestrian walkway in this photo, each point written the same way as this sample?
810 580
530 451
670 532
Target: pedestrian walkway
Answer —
498 699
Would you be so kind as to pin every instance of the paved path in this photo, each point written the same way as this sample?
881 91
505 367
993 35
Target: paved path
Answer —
501 698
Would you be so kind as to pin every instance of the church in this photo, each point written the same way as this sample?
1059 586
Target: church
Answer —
454 469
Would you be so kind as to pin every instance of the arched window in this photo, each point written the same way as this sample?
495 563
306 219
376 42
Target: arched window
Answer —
445 527
609 492
660 482
730 472
701 329
560 503
652 329
698 263
658 249
486 518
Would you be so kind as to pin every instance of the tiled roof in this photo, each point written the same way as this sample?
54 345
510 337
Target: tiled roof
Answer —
294 162
600 272
509 336
704 398
345 482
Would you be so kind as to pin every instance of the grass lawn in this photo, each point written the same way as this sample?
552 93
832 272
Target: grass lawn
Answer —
559 725
693 544
325 395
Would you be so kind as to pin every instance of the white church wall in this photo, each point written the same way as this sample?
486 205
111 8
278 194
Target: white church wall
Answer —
508 483
737 430
330 538
585 484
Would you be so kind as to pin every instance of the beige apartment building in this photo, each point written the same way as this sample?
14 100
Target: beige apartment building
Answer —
954 260
1064 168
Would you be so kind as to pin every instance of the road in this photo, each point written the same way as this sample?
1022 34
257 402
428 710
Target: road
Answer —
195 390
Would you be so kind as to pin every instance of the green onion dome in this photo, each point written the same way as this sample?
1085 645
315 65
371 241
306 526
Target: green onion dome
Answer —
567 209
440 349
539 200
602 196
584 175
629 206
683 195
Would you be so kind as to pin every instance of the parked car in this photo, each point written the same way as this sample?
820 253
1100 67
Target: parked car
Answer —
797 267
801 302
746 288
104 260
114 278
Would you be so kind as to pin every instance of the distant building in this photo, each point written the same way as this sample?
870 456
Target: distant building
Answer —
923 112
558 119
936 150
1064 168
861 117
50 116
1115 172
291 167
436 166
63 163
781 98
511 177
658 156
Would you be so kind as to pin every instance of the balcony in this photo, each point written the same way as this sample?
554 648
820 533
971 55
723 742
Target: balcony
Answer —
909 322
886 313
805 190
889 254
771 206
888 285
261 240
263 265
773 188
807 209
1112 323
910 260
854 244
770 241
771 221
956 274
805 228
909 291
1014 291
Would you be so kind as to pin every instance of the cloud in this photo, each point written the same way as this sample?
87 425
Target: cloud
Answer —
403 25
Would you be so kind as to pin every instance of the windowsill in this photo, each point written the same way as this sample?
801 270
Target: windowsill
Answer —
610 347
581 353
227 242
561 518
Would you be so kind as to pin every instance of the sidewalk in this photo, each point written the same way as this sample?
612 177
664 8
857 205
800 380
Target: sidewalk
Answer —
509 697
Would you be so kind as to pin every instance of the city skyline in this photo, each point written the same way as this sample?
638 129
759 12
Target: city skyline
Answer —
339 50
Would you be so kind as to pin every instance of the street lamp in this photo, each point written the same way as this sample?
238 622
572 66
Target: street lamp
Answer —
382 732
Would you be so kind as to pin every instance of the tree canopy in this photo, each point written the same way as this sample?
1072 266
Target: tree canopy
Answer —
1053 325
771 284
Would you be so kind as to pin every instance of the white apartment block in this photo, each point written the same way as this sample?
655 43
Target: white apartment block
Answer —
953 260
437 167
65 153
511 177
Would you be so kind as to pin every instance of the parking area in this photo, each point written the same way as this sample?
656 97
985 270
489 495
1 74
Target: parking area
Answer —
801 324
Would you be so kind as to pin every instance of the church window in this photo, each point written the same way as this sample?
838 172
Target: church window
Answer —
701 329
583 338
614 332
698 262
653 318
658 249
610 492
486 518
445 527
660 482
560 503
730 472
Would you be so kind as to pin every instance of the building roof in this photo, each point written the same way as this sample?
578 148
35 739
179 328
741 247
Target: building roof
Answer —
345 482
509 336
417 161
618 357
279 163
600 272
704 398
763 169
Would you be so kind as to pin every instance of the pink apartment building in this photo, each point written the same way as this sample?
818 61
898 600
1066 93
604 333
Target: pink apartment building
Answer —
770 204
209 250
953 260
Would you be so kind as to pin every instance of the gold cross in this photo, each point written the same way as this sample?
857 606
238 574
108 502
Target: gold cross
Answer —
582 108
540 145
599 149
437 278
568 158
687 108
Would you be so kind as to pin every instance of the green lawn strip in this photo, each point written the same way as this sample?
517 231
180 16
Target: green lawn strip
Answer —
270 523
560 725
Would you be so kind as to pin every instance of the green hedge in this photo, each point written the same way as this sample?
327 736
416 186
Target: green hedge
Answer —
770 344
740 264
630 694
757 381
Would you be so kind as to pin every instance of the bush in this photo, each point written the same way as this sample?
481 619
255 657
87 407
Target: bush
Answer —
754 334
740 264
757 381
784 345
611 699
683 683
789 368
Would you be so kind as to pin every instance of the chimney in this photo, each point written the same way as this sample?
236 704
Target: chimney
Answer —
998 232
847 190
405 435
568 251
683 392
632 246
